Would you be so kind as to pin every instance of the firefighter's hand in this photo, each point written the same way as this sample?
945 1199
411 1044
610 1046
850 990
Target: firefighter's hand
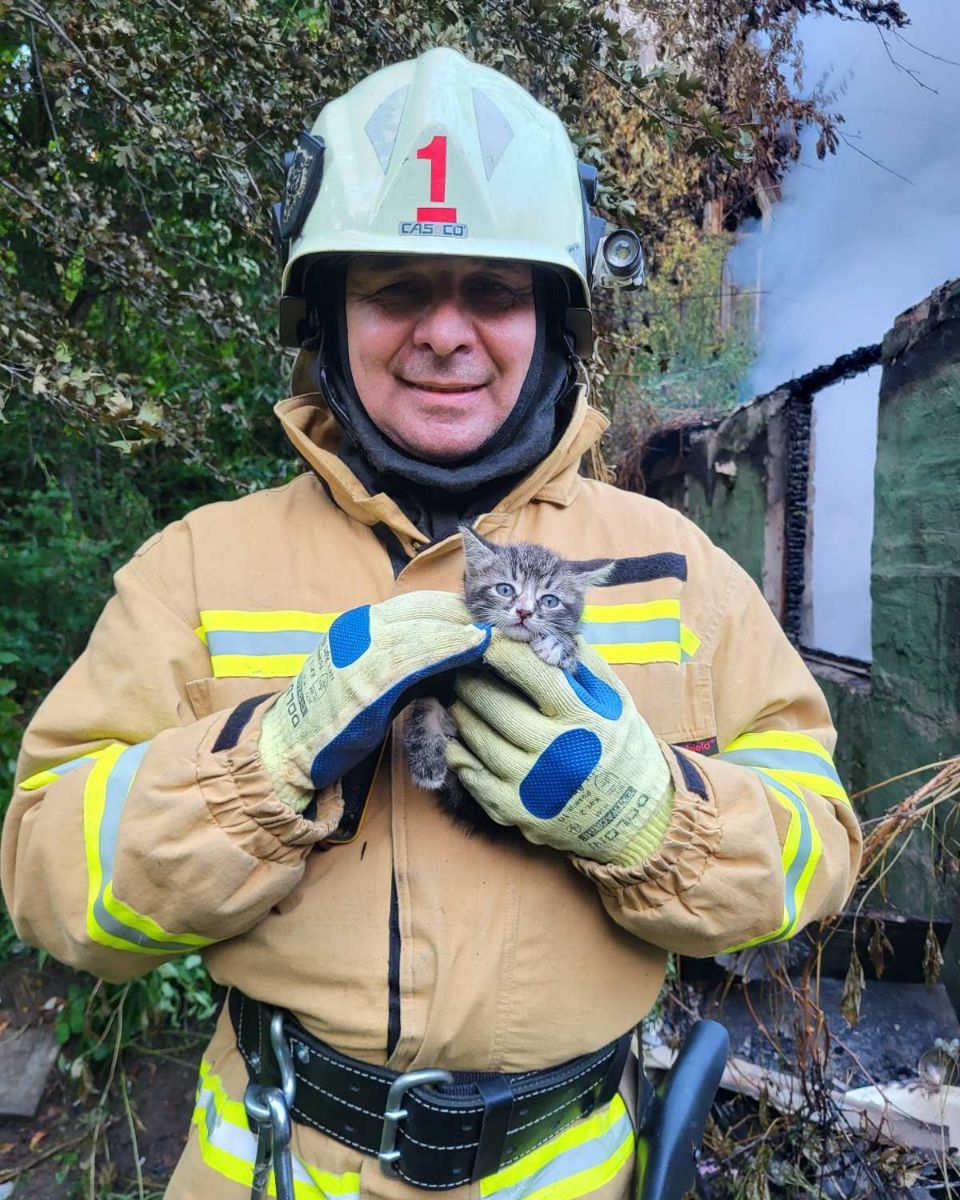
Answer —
569 761
339 708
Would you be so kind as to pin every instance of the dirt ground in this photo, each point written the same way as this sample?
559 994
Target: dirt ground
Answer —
48 1157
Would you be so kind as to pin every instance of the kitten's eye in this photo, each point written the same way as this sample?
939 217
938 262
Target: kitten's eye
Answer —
504 589
550 601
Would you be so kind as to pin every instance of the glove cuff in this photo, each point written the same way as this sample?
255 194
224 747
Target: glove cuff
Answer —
647 839
276 762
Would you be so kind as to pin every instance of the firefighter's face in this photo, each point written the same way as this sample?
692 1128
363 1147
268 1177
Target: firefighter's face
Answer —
439 347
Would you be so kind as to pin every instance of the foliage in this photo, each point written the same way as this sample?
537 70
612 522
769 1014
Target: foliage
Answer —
95 1023
141 148
678 349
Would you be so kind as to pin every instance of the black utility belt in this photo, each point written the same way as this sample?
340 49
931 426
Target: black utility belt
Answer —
431 1128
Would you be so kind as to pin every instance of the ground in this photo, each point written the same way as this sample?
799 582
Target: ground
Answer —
48 1157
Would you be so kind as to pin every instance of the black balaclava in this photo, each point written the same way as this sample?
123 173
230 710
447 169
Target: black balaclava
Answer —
437 496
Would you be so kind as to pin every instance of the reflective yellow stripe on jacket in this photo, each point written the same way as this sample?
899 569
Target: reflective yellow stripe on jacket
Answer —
110 921
639 633
261 645
569 1165
52 774
229 1148
575 1162
787 762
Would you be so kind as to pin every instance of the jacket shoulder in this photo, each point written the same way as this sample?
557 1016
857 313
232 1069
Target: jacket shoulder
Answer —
651 522
715 582
221 536
245 516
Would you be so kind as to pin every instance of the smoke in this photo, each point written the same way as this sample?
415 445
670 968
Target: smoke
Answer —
853 243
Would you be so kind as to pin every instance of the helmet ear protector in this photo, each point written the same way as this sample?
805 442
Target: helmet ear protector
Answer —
614 257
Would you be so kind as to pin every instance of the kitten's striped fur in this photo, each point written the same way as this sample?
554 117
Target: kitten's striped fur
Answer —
543 608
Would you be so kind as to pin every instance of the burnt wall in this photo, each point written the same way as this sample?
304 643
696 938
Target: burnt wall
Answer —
914 711
743 480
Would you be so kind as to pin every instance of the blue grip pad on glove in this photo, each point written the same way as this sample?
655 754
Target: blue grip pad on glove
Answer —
592 691
559 773
349 636
369 727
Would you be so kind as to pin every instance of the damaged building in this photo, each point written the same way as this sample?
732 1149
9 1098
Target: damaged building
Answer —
839 492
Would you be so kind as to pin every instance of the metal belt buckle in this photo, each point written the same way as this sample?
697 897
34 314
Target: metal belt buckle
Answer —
394 1114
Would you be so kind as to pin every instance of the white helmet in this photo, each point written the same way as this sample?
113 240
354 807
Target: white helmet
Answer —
441 156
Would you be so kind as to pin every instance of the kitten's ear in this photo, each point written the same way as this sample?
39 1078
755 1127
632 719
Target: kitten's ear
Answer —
479 551
595 576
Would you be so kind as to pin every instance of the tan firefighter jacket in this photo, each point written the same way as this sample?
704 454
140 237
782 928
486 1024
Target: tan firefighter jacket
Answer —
131 838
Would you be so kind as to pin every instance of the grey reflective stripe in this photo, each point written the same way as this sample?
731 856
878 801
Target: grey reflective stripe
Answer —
592 1153
493 129
784 760
802 856
235 1140
118 785
658 629
384 125
42 778
241 1144
69 766
279 641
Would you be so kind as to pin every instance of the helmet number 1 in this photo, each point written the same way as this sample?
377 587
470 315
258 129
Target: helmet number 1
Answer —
435 152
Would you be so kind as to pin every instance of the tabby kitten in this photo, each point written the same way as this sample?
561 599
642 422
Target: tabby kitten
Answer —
532 595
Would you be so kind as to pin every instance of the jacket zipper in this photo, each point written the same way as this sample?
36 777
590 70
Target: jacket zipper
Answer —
393 971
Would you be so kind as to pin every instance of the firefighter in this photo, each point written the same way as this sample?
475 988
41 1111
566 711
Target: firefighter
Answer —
221 770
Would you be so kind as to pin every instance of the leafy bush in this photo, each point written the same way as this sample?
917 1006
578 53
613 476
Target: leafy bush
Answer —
96 1017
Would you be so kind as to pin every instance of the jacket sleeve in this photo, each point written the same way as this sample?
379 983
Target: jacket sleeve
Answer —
136 832
763 838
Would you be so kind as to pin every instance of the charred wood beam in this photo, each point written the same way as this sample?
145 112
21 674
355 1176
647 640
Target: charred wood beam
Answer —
800 393
669 452
805 387
796 515
844 367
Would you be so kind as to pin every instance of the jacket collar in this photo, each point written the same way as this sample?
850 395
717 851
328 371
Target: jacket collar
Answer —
315 435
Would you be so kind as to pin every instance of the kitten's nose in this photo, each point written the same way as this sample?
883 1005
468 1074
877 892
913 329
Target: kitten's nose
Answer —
523 613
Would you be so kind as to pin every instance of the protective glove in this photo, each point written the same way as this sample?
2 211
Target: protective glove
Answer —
338 709
569 761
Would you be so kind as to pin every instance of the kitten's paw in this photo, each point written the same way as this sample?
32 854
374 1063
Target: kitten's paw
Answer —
428 729
431 773
427 763
556 652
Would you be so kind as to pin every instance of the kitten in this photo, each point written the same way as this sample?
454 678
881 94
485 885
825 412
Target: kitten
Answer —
532 595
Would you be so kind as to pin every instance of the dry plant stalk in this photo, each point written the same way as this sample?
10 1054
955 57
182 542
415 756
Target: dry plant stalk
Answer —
905 816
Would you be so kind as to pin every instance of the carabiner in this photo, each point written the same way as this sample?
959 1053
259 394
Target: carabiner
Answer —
269 1109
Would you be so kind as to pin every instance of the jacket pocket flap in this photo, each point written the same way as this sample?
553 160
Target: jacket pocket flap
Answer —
212 695
675 700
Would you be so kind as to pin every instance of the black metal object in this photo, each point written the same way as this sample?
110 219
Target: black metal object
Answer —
672 1124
